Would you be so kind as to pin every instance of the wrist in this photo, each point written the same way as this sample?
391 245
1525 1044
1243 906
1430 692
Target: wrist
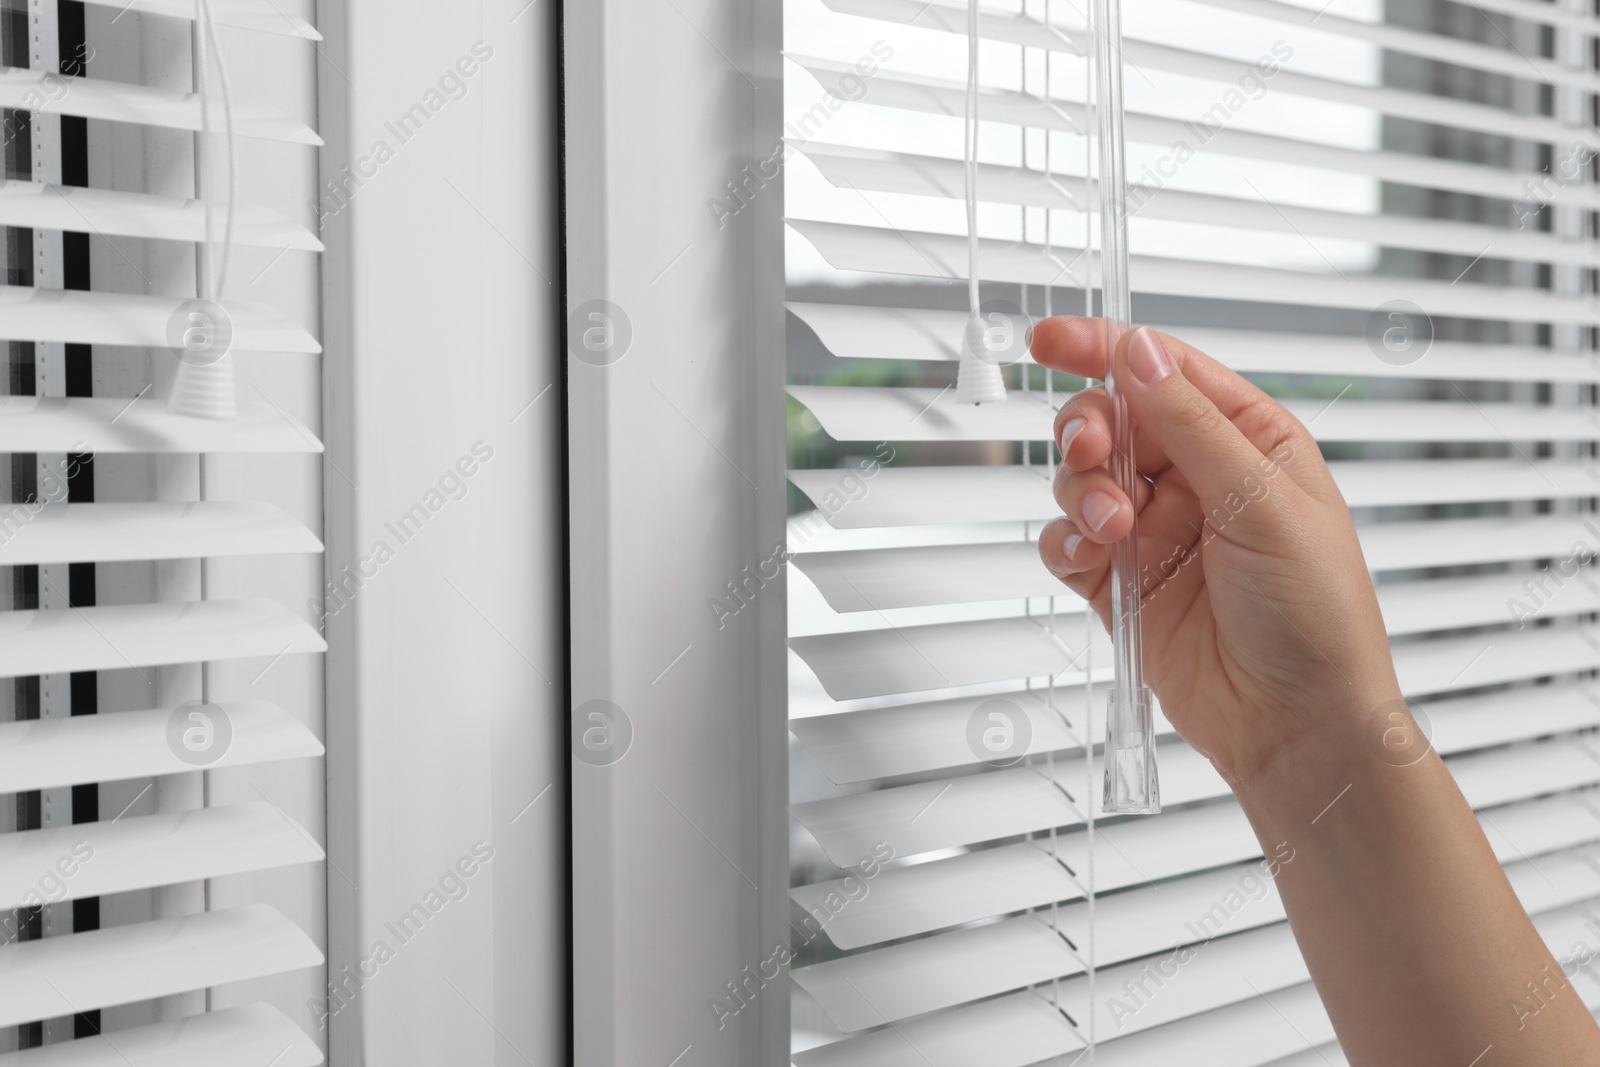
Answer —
1338 747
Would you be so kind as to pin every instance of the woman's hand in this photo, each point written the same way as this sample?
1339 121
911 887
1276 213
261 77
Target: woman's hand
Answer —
1261 627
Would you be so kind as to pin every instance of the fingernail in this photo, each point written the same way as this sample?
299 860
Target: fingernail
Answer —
1147 357
1097 510
1069 546
1070 429
1027 338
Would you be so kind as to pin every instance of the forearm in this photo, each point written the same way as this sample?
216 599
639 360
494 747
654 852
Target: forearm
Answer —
1418 946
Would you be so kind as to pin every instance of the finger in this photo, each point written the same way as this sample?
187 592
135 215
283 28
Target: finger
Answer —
1261 419
1093 501
1083 430
1202 441
1071 344
1078 346
1078 562
1066 551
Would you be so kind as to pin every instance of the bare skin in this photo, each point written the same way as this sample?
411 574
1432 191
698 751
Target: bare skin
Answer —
1265 646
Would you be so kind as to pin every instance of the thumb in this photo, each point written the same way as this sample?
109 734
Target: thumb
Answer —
1212 454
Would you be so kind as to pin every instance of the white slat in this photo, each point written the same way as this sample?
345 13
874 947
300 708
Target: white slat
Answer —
851 331
876 170
34 205
852 580
1255 973
931 974
49 753
249 1033
96 969
917 899
938 96
111 424
966 810
944 256
1019 28
924 496
855 746
912 659
1440 47
146 851
148 635
63 533
81 316
1013 1031
1262 1029
927 816
877 413
1443 665
264 16
96 98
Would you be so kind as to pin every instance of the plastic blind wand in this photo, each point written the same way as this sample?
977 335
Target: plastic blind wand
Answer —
1130 758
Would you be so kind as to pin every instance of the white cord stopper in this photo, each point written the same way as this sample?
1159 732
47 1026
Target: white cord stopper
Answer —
205 391
979 380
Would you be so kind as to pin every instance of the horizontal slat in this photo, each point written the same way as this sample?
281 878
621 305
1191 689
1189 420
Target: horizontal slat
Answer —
1258 1030
967 810
1258 973
81 316
912 659
926 496
43 532
1442 665
146 851
882 579
48 753
148 635
966 888
880 413
1540 13
851 331
1013 1031
927 816
889 413
81 972
1408 607
1454 603
931 974
113 425
1453 542
33 205
904 739
944 256
1147 55
248 1034
1440 47
875 170
264 16
923 897
879 579
944 97
855 746
97 98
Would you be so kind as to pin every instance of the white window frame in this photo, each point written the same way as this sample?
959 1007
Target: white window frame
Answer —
445 725
676 461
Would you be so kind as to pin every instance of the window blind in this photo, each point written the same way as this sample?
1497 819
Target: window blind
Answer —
1383 214
147 618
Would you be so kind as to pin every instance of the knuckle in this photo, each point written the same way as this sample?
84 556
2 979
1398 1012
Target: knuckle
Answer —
1195 415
